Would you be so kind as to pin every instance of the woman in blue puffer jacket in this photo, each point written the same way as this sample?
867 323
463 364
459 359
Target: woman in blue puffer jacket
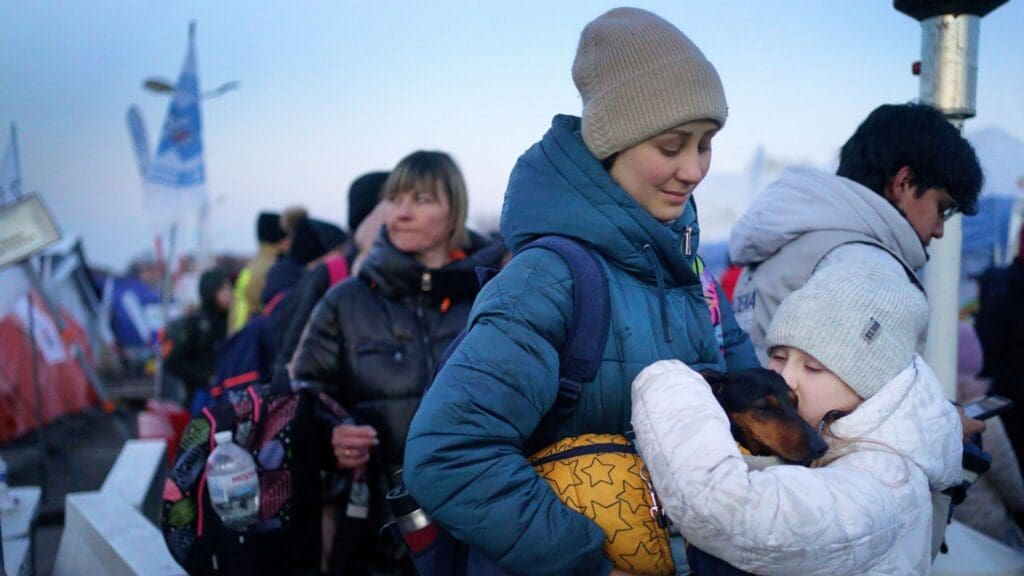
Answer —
620 182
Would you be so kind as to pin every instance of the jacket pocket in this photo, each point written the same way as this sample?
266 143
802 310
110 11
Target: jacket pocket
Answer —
381 350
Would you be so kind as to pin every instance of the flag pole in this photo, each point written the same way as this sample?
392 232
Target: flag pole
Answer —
17 160
165 294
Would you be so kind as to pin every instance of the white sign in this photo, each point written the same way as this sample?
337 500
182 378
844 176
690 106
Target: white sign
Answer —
25 228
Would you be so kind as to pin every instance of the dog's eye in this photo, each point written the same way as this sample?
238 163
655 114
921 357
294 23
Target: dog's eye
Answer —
763 404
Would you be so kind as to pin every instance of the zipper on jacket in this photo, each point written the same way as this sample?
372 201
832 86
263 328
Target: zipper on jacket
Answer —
686 240
426 282
428 350
583 451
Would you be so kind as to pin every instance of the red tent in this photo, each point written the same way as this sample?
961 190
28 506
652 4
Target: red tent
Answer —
63 386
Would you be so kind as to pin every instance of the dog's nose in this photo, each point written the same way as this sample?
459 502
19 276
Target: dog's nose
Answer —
817 446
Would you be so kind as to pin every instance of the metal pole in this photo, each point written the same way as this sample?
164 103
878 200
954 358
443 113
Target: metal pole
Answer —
949 73
165 290
40 433
949 77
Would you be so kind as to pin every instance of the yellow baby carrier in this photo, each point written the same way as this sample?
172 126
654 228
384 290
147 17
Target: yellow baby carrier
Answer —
602 477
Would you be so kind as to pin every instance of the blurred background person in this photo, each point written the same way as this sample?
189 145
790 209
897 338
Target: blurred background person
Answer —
1000 326
273 234
363 196
995 502
310 240
193 341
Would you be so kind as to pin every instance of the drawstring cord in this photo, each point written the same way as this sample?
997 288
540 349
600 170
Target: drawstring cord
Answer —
653 260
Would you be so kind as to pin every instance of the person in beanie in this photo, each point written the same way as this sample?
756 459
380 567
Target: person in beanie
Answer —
1000 326
901 175
363 196
193 342
273 241
845 345
311 240
620 182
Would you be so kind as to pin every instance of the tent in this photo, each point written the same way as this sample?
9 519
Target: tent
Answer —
51 336
63 384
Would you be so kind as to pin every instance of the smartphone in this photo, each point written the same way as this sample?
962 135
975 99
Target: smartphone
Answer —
988 407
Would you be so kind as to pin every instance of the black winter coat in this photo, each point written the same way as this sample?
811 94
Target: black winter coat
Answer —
372 343
1000 326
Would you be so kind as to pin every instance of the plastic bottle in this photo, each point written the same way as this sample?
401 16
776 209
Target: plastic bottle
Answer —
359 499
359 493
233 483
7 501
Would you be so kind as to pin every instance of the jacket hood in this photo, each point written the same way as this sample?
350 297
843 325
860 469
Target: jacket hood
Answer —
397 273
559 187
911 416
807 200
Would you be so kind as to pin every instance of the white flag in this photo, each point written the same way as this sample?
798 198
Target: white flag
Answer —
176 175
10 171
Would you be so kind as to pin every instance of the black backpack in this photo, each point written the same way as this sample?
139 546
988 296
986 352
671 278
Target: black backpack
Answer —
288 434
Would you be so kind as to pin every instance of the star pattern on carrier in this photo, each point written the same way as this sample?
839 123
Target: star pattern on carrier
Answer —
598 472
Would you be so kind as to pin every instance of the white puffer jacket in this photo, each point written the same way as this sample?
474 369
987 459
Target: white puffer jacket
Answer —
868 512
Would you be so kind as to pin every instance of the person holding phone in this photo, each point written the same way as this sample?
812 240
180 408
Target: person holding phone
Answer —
995 502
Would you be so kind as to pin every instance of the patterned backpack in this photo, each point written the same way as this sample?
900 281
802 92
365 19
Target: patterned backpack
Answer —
288 434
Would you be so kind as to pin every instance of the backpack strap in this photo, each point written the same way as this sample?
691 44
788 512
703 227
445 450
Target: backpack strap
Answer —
337 269
581 355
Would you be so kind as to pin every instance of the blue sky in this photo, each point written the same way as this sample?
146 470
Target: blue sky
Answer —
333 89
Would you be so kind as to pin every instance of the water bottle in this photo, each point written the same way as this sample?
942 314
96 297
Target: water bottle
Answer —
418 530
7 501
359 499
233 483
359 493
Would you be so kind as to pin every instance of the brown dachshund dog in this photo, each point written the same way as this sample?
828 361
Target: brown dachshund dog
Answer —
762 411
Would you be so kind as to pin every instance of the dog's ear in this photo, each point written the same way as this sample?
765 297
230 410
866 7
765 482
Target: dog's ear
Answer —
715 379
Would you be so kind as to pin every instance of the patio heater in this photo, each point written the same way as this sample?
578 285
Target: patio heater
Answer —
948 69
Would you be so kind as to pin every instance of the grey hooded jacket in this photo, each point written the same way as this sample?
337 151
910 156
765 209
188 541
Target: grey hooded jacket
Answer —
806 220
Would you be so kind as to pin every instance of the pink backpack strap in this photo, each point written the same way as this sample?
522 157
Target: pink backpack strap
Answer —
337 269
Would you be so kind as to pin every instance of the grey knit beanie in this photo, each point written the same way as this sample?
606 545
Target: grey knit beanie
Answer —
861 324
638 76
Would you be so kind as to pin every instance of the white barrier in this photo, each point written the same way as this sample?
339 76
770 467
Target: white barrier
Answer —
972 553
105 535
16 560
133 477
105 532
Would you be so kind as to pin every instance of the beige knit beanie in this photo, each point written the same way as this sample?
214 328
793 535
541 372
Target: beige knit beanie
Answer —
861 324
638 76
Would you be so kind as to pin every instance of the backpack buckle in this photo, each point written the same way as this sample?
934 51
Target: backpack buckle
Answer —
568 395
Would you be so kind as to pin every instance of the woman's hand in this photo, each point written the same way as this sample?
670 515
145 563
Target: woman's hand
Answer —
617 572
352 444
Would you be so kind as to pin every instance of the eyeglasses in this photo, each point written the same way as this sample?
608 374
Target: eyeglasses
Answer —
949 211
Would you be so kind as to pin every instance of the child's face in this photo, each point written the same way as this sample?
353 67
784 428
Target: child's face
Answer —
818 389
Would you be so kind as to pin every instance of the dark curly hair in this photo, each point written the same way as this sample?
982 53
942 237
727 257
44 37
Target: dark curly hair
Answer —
919 137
